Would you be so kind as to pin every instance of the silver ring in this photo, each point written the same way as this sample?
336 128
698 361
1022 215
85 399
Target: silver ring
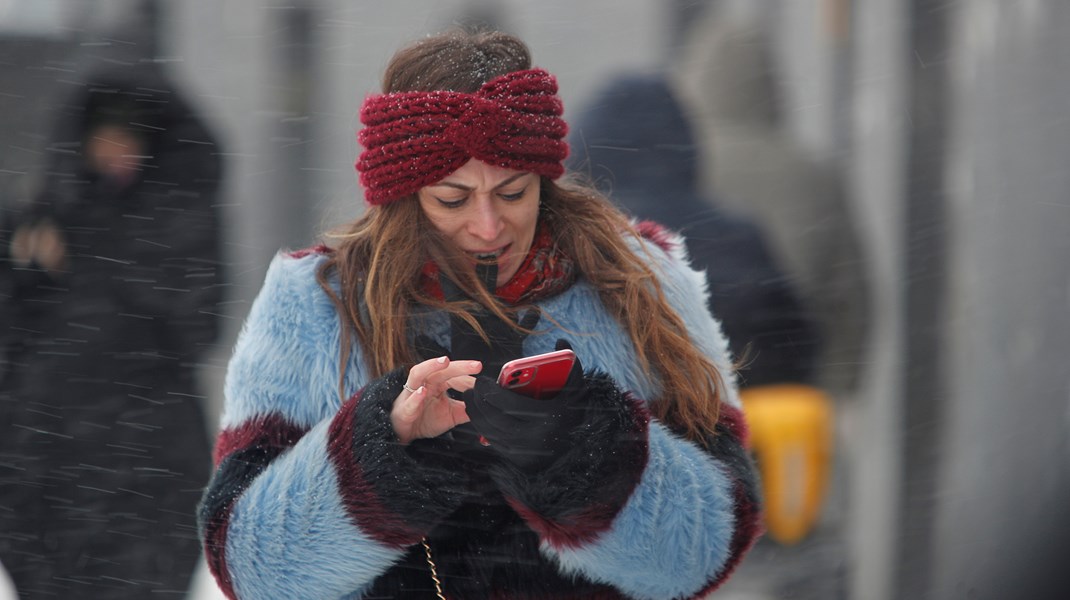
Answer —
407 388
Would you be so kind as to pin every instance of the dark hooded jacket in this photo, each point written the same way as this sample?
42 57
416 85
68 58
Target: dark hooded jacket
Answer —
104 448
635 141
150 248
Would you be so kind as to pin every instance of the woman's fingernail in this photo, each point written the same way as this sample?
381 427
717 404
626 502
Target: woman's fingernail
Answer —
442 359
414 405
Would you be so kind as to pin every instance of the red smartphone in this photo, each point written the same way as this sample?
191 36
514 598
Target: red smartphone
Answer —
541 376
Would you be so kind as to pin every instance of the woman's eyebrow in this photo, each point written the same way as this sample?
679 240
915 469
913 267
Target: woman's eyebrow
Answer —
469 189
510 180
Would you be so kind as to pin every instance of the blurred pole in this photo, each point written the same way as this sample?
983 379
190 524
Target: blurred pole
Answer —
925 393
1002 518
876 177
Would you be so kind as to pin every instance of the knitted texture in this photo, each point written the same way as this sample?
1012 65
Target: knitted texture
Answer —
414 139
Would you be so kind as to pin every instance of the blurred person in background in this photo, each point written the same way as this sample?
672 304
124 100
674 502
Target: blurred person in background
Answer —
636 141
110 287
731 85
366 450
727 79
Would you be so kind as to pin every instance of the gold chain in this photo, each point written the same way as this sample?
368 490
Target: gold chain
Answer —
434 571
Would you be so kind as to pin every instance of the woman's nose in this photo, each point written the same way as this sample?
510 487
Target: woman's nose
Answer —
486 224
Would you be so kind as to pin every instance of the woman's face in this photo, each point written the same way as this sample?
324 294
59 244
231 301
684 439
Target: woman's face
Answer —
114 151
487 211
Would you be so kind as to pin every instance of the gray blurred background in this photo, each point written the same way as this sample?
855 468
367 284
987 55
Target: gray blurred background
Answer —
945 123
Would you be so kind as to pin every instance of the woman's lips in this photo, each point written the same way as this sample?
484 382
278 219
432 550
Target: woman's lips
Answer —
500 256
490 254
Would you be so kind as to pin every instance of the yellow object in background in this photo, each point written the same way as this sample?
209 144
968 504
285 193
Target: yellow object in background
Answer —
791 437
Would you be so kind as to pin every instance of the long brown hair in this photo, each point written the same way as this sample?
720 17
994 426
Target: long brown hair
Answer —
379 258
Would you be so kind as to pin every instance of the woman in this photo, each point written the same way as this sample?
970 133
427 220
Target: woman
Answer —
366 450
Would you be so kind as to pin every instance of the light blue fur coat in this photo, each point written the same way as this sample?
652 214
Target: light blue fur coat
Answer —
288 534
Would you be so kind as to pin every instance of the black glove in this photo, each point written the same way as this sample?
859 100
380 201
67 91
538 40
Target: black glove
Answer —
525 432
465 343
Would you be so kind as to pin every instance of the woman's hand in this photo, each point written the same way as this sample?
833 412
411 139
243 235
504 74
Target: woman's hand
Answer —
526 432
423 409
41 244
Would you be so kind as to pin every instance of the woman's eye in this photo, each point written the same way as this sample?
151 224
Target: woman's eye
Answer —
451 203
513 197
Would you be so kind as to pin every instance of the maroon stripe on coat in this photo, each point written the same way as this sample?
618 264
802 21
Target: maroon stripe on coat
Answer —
748 530
270 431
659 234
258 442
215 553
580 528
747 511
317 249
733 419
364 507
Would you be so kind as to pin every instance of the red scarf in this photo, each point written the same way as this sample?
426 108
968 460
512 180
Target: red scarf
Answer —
545 272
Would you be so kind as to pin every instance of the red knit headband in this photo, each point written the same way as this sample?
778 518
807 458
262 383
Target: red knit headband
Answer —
414 139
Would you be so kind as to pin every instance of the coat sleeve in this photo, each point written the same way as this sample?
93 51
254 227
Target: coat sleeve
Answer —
311 497
636 506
